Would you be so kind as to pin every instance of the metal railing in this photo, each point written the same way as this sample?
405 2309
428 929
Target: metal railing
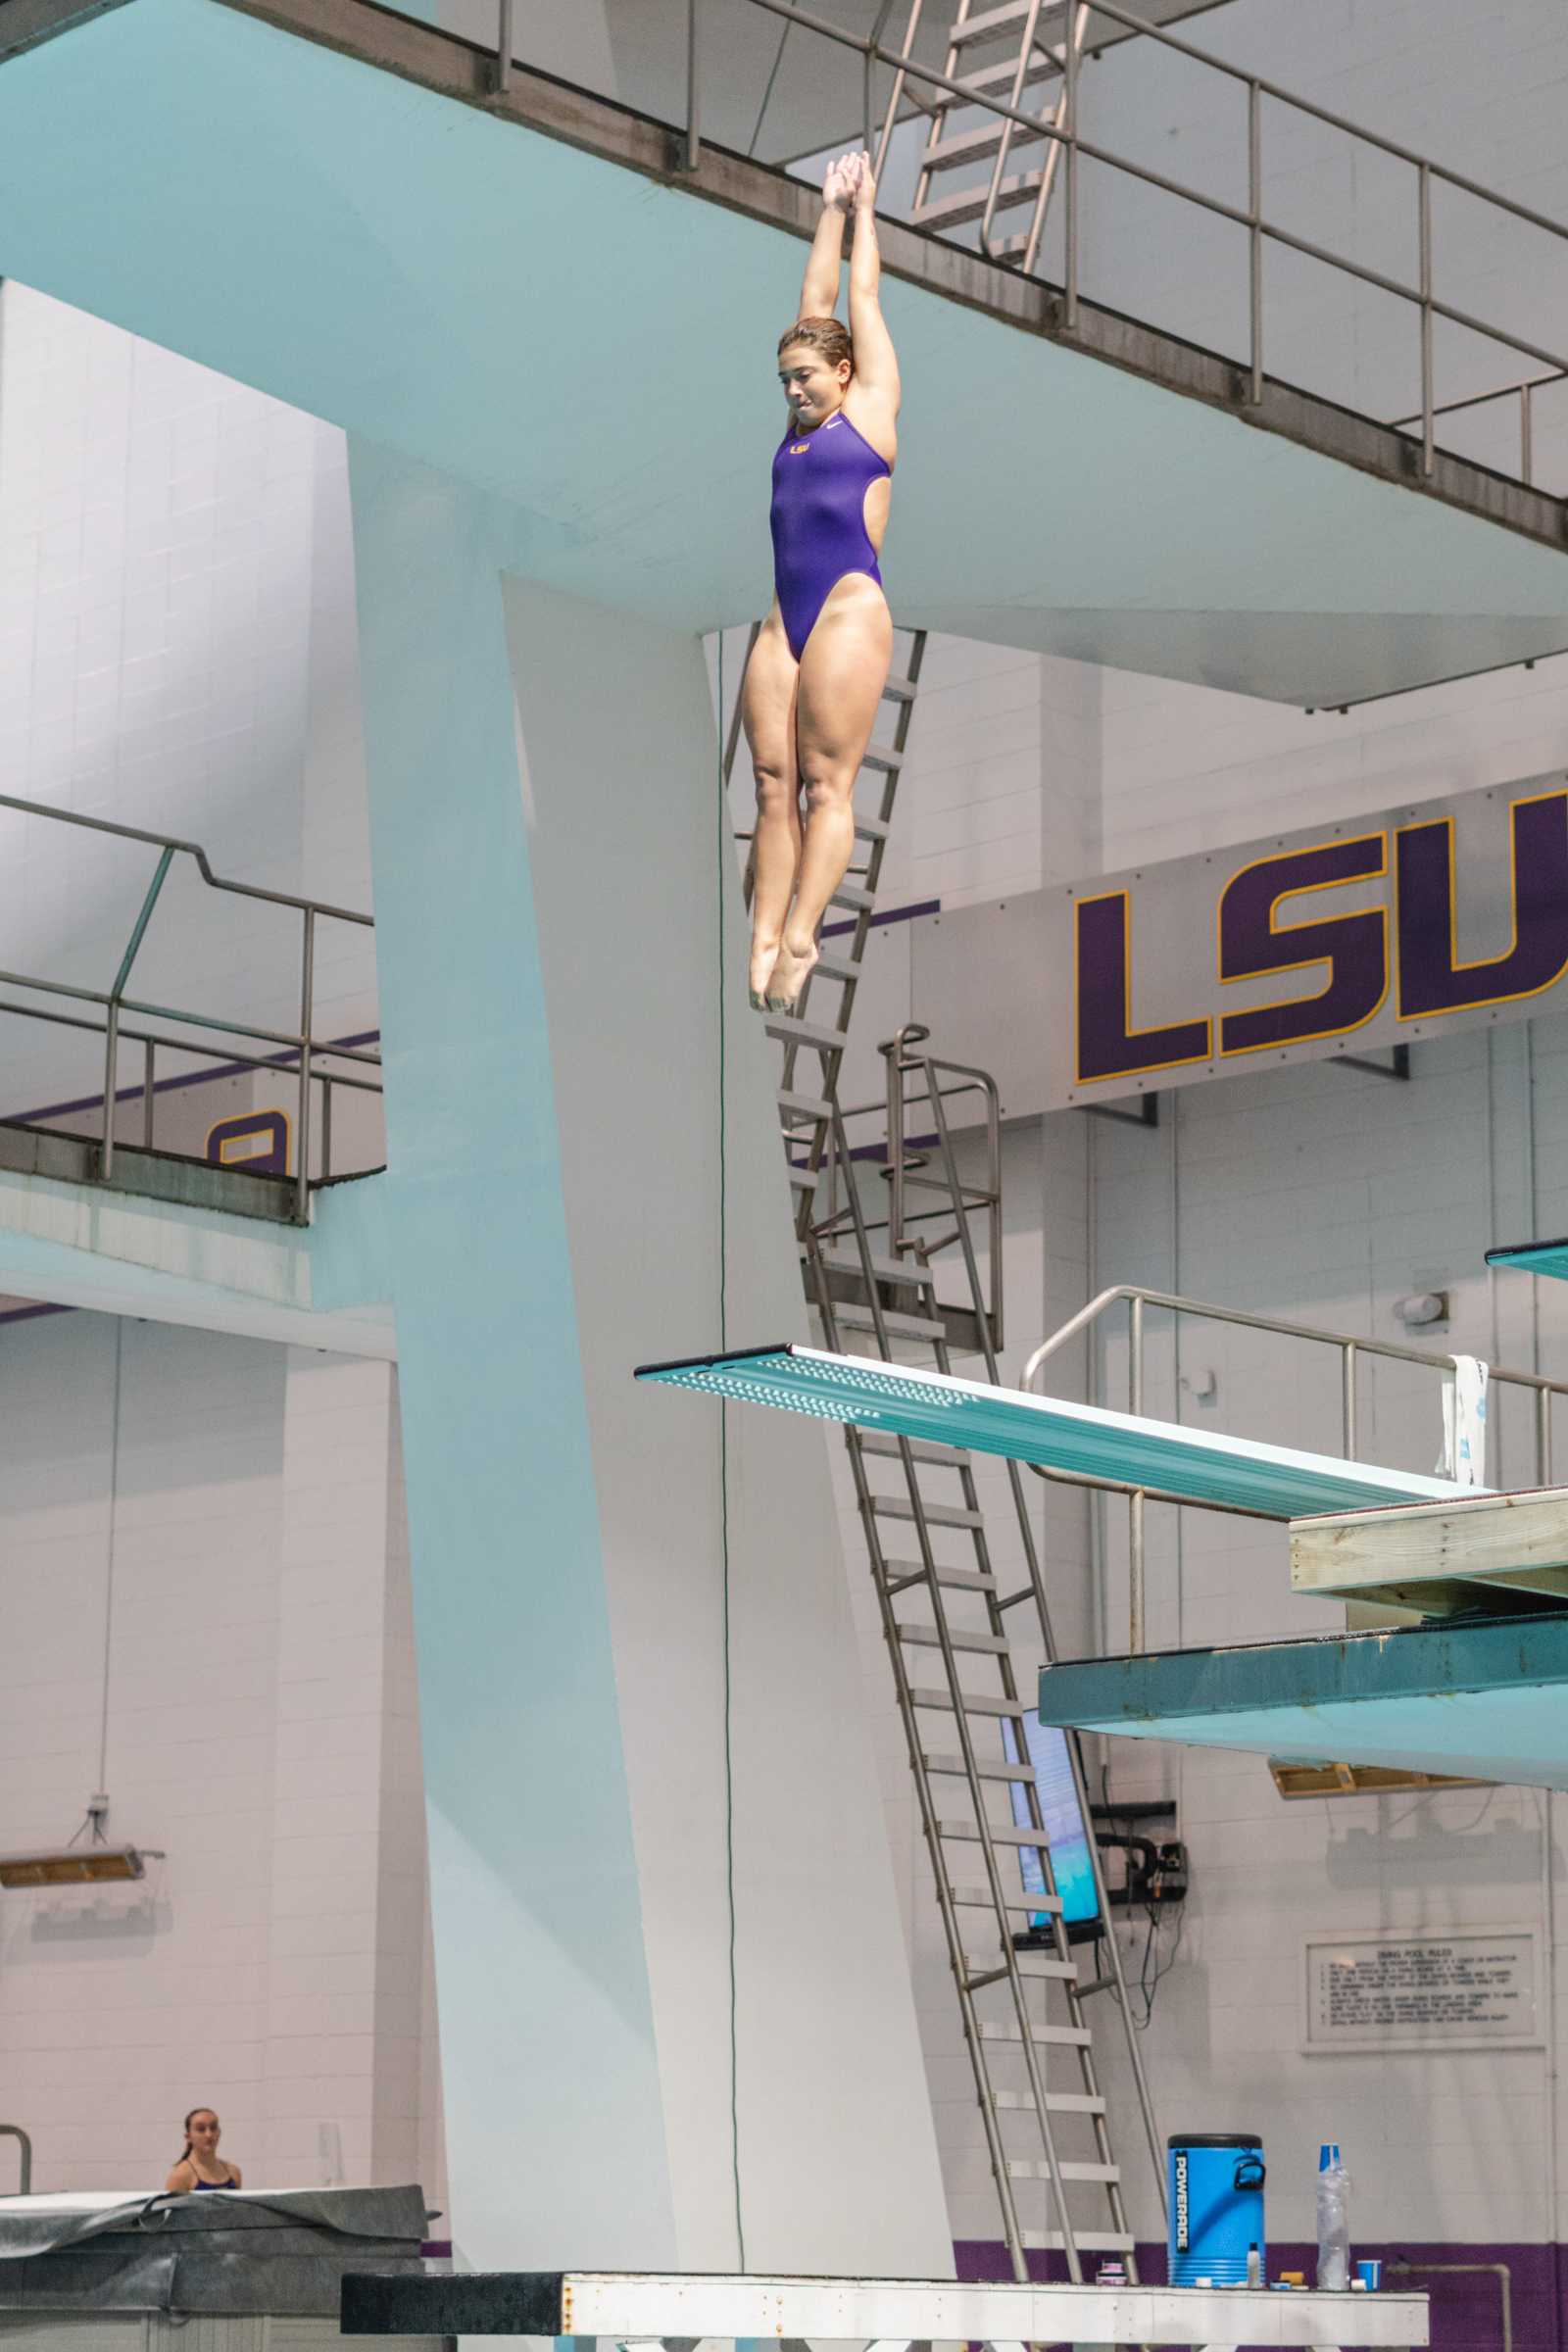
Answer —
24 2156
300 1048
1351 1348
1067 135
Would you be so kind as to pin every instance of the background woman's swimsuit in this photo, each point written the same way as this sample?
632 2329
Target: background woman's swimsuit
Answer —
821 479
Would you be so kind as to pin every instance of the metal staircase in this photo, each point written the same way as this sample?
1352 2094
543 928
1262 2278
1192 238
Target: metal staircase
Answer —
981 166
946 1610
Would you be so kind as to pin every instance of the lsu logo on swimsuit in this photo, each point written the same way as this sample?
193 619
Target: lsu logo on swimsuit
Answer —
800 449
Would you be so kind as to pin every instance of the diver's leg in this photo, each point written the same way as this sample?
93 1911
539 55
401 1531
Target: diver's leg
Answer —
844 669
768 710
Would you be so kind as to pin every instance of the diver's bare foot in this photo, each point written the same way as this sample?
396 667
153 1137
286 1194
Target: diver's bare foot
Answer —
790 975
763 958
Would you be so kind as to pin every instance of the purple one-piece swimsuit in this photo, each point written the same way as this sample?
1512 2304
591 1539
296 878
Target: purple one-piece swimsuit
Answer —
821 479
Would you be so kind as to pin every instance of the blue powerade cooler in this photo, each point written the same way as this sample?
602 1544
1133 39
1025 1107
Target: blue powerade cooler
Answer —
1216 2206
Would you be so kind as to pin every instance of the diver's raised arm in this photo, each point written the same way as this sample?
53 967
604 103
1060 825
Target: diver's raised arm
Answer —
819 290
876 363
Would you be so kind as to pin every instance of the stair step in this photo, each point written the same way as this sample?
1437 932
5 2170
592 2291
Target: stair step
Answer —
997 80
978 1898
1038 1966
871 828
804 1107
966 146
884 1269
1071 2038
937 1514
897 1327
1087 2241
851 895
969 1833
958 1580
805 1180
790 1031
975 1702
898 689
968 204
940 1457
1033 2167
989 24
882 757
830 965
1002 1771
1058 2102
974 1645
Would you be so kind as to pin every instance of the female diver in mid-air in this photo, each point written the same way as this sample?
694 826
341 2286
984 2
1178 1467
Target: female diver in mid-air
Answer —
821 657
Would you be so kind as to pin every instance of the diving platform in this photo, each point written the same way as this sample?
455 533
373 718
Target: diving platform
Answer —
1484 1700
1164 1461
1532 1257
1481 1554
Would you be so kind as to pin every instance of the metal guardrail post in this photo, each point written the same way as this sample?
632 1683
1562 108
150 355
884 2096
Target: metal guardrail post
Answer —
1254 237
692 158
1542 1437
106 1150
504 45
1069 190
1347 1399
1424 187
24 2153
326 1126
147 1092
1135 1578
1525 434
302 1173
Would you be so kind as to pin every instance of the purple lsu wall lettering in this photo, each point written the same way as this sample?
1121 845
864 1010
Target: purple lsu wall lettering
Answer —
1490 868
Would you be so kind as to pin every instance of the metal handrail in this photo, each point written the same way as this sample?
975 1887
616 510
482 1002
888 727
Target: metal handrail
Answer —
1351 1346
299 1045
24 2155
1067 133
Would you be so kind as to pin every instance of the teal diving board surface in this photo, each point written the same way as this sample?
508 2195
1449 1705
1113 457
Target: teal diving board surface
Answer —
1532 1257
1484 1700
1079 1441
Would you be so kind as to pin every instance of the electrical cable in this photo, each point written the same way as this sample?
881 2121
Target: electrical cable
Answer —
722 876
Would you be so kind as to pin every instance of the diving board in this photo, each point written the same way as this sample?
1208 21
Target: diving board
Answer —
677 2308
1497 1554
1073 1440
1532 1257
1484 1701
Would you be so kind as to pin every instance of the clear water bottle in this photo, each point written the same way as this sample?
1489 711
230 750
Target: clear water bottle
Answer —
1333 2220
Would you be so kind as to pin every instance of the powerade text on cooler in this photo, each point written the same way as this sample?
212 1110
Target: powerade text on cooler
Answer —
1216 2206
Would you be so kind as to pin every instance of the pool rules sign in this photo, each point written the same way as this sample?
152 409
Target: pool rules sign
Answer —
1344 938
1472 1988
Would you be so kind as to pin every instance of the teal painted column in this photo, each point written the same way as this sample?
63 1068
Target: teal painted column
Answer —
554 2133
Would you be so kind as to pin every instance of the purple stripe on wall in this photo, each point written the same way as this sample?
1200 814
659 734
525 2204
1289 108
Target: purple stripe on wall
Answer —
1467 2312
286 1060
894 915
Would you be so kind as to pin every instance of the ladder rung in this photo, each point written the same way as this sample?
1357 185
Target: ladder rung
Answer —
989 22
987 1772
1031 2168
976 1645
969 1831
939 1457
790 1032
805 1180
871 828
1043 67
881 756
1058 2102
1067 2038
936 1514
899 689
897 1327
832 966
1015 1710
978 1898
850 893
804 1107
1087 2241
883 1269
968 204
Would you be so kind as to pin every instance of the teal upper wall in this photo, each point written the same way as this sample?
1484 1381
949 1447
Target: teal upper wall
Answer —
597 349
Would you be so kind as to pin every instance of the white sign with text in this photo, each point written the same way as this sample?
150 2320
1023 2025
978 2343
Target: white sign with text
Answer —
1477 1987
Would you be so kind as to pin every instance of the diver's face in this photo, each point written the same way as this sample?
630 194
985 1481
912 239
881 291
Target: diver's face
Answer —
812 389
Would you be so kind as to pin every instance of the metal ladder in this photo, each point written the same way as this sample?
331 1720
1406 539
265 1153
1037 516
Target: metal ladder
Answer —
1011 54
805 1109
1022 1998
